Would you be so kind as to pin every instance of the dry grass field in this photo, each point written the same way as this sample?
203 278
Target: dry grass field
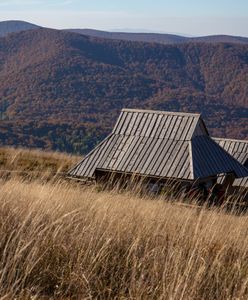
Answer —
34 164
64 241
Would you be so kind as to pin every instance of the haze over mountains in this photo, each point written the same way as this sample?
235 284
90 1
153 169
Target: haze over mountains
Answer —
64 90
7 27
160 37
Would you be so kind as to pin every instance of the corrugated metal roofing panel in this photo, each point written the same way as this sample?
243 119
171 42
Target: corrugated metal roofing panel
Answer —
155 152
172 158
241 157
146 157
232 146
154 132
87 166
179 160
157 124
133 155
186 169
239 150
119 122
165 154
130 152
161 152
185 134
210 159
110 151
114 156
139 156
146 125
127 141
242 182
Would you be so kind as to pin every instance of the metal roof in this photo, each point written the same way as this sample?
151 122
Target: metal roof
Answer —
157 124
239 150
160 144
141 155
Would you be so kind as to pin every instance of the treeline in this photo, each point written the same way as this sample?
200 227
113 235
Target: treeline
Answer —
71 138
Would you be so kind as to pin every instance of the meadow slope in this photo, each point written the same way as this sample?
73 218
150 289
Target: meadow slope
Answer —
63 241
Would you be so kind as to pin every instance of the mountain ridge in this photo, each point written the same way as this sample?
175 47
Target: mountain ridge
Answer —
162 38
12 26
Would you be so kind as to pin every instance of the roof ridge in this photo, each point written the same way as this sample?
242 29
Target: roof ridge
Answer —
160 112
230 140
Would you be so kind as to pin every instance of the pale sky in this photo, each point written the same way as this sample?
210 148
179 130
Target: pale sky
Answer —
191 17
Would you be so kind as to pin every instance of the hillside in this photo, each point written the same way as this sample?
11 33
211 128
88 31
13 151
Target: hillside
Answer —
161 38
7 27
61 90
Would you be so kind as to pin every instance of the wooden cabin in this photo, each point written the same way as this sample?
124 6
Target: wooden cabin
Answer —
159 146
239 150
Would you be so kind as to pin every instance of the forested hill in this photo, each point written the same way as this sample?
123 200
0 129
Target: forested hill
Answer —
11 26
62 90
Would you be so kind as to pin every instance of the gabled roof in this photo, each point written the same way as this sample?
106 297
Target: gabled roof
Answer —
239 150
159 144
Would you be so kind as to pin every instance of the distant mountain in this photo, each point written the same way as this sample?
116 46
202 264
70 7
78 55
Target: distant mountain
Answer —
219 39
8 27
62 90
129 36
160 38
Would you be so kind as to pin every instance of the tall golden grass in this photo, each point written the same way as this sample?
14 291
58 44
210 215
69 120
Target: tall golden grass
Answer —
60 241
